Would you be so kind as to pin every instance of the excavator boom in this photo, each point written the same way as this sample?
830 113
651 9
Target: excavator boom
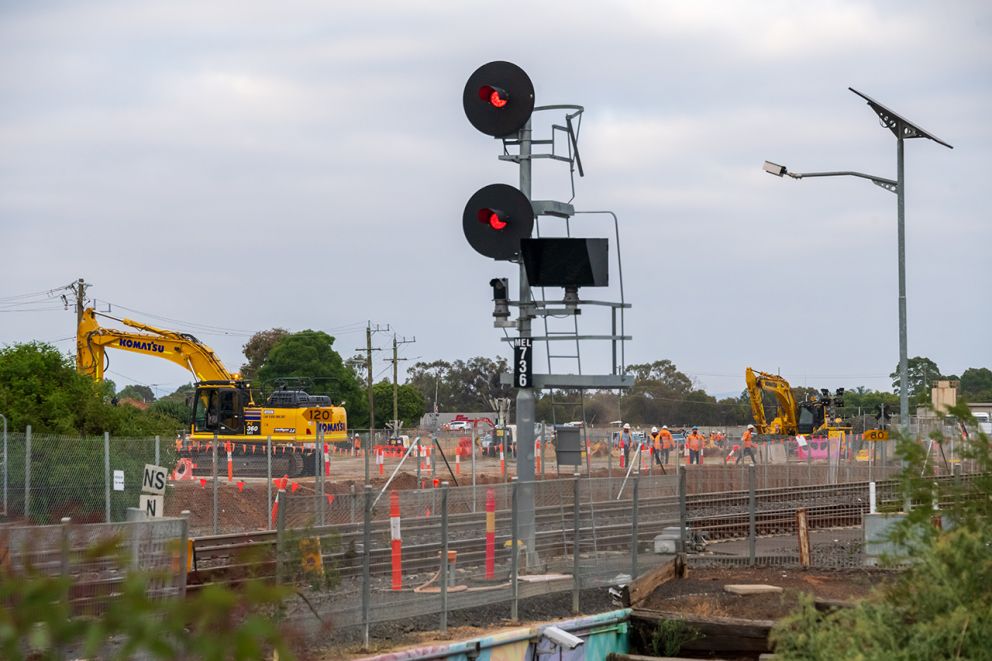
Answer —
92 340
783 423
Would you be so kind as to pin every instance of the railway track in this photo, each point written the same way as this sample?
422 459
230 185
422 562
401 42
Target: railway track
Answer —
604 526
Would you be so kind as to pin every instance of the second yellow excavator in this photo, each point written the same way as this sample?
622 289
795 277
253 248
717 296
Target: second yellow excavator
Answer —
816 415
223 404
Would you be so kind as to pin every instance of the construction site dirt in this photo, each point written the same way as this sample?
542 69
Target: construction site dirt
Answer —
701 594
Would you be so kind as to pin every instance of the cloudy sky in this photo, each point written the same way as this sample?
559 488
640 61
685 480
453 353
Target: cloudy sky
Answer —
226 167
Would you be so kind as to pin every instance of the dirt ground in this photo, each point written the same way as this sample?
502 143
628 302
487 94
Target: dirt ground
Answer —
702 594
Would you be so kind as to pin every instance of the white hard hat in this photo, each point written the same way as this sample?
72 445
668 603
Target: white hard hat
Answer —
750 426
654 430
664 426
626 425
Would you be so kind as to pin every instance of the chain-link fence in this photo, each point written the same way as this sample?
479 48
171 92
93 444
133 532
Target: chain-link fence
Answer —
392 550
99 557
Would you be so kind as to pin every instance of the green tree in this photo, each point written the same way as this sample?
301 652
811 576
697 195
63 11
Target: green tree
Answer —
257 349
308 359
460 385
138 392
922 373
410 403
39 386
976 384
940 607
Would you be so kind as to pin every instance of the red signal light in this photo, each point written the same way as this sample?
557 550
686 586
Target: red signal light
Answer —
495 96
493 218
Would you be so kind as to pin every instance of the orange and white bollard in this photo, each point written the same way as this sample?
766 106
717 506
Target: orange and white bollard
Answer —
381 460
275 503
395 540
502 463
327 460
623 457
428 450
490 534
458 462
537 457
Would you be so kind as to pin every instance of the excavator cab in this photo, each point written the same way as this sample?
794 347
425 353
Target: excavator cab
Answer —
219 408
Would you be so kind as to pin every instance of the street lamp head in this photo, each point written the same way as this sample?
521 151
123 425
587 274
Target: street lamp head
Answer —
775 169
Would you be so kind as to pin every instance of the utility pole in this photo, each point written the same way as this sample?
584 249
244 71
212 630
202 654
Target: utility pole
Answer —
80 291
395 361
369 332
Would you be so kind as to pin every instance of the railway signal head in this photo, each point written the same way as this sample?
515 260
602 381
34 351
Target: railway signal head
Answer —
495 219
498 98
501 304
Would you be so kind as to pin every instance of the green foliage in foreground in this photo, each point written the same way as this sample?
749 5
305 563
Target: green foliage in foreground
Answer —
37 621
940 607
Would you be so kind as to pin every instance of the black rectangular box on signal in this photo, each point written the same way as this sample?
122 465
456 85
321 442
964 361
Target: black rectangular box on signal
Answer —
560 262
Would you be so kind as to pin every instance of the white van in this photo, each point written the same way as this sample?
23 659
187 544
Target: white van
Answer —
984 420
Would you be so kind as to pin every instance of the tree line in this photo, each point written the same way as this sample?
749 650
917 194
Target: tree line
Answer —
39 386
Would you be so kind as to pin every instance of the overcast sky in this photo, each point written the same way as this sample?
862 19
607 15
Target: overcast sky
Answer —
227 167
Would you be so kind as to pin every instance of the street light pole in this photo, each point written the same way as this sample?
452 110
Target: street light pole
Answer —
902 129
903 350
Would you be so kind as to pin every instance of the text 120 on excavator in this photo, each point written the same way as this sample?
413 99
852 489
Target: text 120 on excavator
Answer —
223 405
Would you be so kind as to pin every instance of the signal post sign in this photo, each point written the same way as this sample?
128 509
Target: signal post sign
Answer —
152 500
876 434
523 367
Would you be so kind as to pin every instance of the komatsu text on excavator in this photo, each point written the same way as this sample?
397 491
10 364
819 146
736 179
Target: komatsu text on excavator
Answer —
223 403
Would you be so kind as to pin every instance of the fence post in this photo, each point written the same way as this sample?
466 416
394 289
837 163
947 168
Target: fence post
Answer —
354 503
396 540
682 504
609 468
280 532
268 481
366 562
319 460
514 568
444 558
183 551
751 505
65 546
633 528
157 450
473 469
106 471
6 463
213 472
576 584
27 473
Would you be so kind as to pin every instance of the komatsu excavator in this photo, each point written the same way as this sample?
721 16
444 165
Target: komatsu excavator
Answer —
223 404
817 415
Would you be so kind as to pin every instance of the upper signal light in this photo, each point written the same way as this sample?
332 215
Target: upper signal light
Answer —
498 98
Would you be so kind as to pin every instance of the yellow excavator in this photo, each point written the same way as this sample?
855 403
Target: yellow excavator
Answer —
223 403
816 415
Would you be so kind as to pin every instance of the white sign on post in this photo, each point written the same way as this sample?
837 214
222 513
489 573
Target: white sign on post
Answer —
152 505
154 479
801 441
118 480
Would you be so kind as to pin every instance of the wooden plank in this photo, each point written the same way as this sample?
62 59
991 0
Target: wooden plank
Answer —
802 529
643 586
718 634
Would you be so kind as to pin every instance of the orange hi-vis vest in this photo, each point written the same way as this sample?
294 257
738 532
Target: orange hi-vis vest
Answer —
746 438
656 440
695 442
667 442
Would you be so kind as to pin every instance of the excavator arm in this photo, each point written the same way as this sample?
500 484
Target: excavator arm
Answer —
92 340
785 421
